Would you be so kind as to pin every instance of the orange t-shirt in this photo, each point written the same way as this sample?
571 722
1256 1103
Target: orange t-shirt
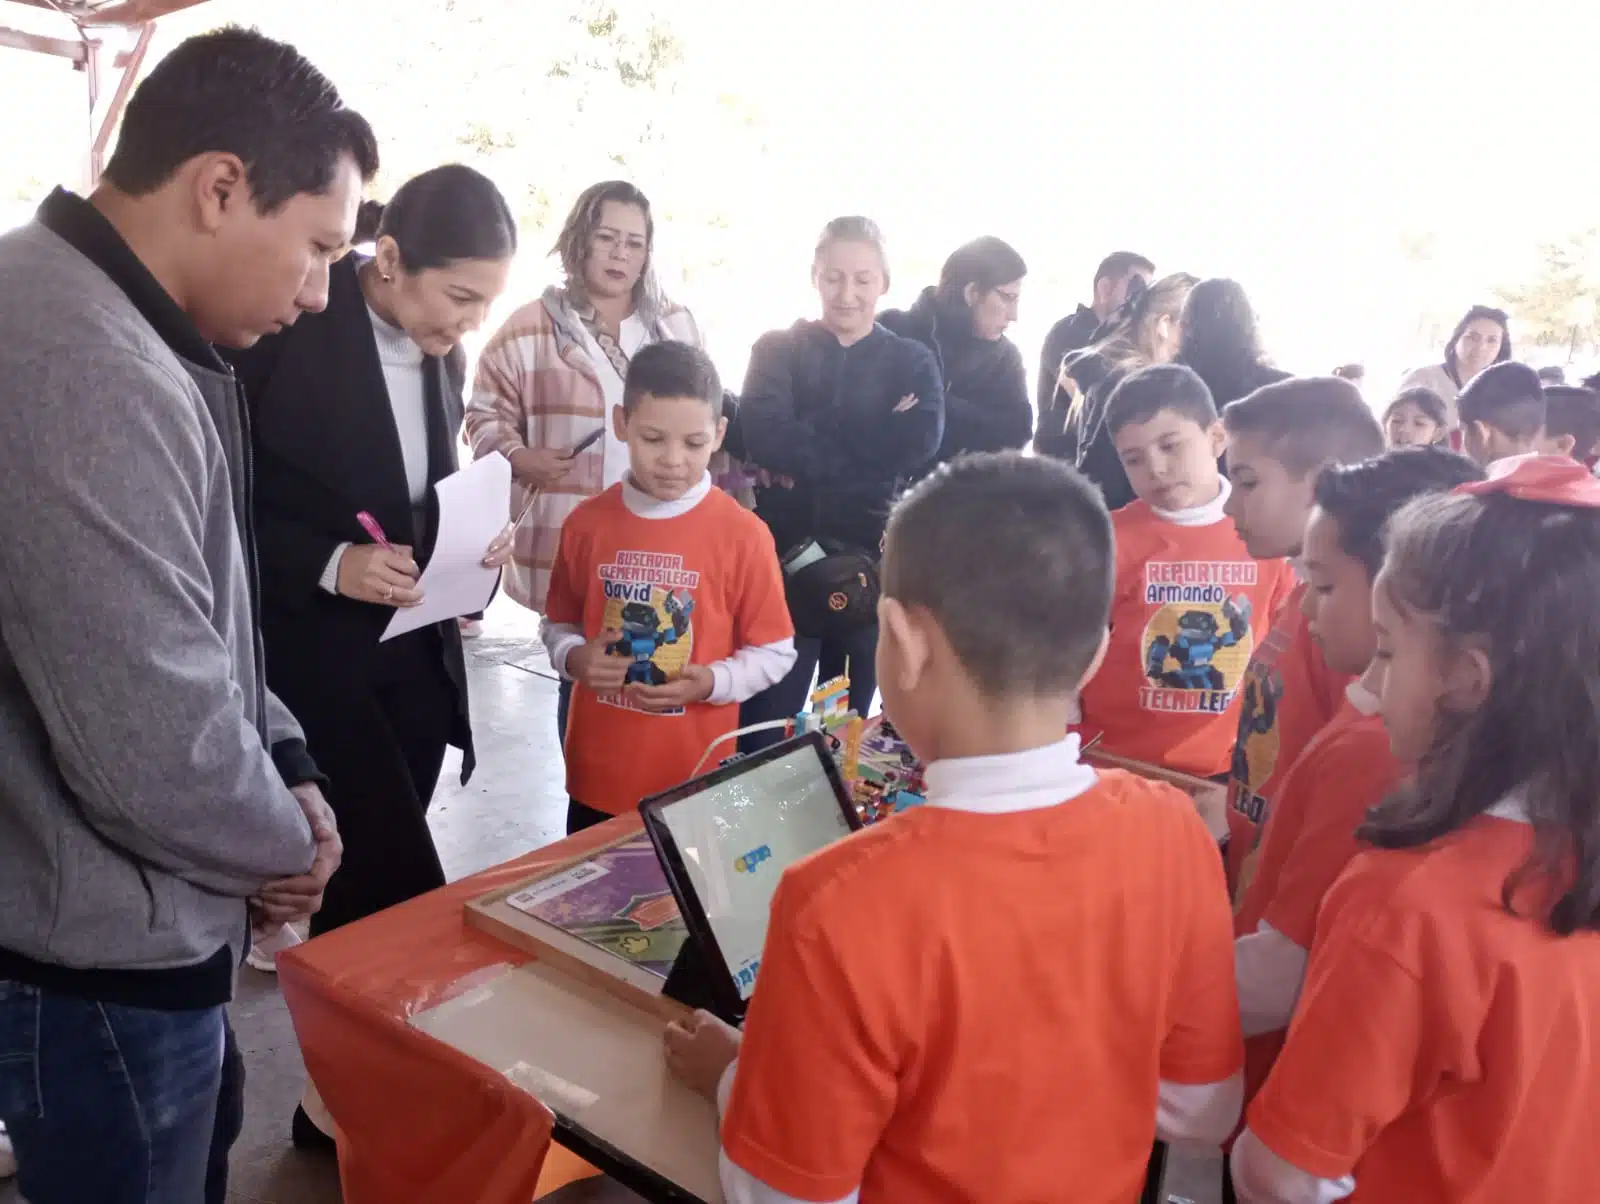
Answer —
692 589
1309 840
1003 1035
1443 1048
1190 606
1288 694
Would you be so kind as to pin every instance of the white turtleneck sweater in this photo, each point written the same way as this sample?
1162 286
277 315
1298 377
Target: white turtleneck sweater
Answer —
401 360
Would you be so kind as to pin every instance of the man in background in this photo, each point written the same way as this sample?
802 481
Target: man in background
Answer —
154 797
1111 281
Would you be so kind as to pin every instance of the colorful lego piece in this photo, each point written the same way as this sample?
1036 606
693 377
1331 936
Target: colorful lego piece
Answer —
830 701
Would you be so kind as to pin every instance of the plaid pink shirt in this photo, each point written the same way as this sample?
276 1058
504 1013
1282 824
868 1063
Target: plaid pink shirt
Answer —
536 386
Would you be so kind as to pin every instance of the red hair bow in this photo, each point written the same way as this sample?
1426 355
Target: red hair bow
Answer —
1556 480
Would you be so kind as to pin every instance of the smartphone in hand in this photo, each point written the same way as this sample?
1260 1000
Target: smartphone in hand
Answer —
587 441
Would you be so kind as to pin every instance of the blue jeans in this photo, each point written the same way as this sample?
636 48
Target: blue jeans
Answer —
825 658
108 1104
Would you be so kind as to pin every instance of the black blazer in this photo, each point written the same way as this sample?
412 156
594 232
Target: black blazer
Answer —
325 448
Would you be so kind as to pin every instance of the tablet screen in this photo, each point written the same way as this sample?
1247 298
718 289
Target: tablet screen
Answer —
736 838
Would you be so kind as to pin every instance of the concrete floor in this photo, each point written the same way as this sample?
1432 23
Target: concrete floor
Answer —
516 802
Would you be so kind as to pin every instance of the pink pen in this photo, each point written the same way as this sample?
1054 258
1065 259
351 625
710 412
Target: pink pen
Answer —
370 526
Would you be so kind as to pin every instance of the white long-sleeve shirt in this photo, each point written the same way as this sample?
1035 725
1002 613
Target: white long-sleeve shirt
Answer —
401 360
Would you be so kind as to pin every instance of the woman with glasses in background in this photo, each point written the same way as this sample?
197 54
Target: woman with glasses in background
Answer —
963 320
548 380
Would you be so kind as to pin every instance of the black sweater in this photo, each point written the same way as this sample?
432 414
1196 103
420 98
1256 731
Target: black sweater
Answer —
1069 334
1231 381
823 415
985 386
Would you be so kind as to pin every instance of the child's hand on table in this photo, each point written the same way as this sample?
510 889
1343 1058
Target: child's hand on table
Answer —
593 665
693 685
700 1050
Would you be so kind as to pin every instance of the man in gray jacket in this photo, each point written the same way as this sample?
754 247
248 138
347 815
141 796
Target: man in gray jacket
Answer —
154 796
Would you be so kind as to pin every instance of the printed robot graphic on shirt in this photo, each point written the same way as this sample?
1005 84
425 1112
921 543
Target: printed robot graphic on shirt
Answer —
649 598
1196 646
1255 754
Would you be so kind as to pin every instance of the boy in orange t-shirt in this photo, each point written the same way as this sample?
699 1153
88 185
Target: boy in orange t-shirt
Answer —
1347 767
1279 438
666 601
1008 992
1446 1045
1190 603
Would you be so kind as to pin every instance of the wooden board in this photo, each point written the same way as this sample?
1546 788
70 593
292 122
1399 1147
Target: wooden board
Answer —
1185 782
595 1061
571 955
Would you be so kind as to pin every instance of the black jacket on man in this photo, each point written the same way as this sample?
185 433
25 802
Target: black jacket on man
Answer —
825 417
1070 334
985 384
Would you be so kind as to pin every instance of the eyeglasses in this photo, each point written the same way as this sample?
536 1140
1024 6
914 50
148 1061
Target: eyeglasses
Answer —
609 241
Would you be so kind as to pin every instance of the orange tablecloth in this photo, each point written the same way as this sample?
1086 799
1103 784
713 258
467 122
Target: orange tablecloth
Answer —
418 1120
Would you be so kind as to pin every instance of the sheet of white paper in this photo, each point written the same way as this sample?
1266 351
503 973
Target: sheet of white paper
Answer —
474 507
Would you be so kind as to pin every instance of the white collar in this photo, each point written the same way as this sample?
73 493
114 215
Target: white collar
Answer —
1009 782
1198 516
643 505
1363 699
1506 463
1513 807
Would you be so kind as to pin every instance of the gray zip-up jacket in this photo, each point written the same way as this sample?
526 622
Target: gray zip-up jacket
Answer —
140 804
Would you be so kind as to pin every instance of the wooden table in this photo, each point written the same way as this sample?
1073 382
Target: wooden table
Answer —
419 1120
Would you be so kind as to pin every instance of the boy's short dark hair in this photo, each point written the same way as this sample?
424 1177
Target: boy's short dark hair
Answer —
1013 556
1362 497
672 369
1143 394
1119 263
1507 396
1308 421
1569 410
239 92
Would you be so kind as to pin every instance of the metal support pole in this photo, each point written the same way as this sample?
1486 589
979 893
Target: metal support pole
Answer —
91 80
127 64
15 39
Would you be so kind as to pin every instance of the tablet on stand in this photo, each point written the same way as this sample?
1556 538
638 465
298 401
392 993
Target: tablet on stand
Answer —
724 841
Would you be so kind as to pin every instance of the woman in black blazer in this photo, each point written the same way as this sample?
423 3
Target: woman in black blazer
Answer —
358 408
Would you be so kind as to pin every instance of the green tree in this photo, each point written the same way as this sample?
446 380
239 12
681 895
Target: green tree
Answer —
1557 305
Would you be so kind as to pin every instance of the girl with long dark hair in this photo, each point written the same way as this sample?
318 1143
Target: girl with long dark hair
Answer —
1451 1005
1144 331
1222 342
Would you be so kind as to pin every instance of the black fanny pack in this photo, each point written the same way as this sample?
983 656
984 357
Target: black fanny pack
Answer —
832 589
